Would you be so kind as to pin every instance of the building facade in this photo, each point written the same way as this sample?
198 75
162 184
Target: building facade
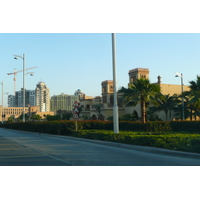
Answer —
16 112
107 98
17 100
11 101
63 102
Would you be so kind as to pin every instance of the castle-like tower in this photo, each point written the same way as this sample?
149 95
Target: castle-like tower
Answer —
138 73
42 93
107 91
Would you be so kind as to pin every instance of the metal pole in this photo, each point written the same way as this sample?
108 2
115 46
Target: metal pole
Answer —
2 103
115 106
24 64
183 114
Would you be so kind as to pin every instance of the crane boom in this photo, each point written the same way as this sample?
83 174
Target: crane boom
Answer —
20 71
15 73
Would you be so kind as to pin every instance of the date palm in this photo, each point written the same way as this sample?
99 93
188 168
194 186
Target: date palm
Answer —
141 91
165 103
194 97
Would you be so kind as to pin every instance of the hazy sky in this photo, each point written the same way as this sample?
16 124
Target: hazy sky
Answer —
70 61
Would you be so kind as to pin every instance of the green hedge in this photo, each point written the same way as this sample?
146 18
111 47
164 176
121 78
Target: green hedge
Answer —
181 142
59 126
53 127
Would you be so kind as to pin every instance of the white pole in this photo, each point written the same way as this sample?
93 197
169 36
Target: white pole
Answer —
115 106
183 114
24 64
2 103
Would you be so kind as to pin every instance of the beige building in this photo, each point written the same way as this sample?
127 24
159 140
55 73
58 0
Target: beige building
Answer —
107 98
64 102
16 112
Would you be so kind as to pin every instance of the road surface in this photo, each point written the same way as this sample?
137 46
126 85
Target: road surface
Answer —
21 148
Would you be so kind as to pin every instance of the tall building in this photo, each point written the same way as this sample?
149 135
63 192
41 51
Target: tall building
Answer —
42 97
17 100
11 100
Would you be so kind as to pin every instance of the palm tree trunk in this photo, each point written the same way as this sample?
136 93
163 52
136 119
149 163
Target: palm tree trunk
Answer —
143 112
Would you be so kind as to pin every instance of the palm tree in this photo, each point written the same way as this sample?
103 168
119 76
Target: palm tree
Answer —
166 103
194 97
98 108
142 91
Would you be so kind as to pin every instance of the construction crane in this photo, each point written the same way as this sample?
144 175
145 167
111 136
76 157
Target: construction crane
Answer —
15 73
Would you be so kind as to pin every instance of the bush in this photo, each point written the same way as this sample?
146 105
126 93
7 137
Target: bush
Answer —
192 126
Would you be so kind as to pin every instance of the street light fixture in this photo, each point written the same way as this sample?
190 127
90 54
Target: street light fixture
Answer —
181 76
24 64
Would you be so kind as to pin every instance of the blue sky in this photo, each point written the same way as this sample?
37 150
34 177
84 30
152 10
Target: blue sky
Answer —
70 61
71 45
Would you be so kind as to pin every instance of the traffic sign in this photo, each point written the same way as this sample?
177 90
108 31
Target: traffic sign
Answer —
75 111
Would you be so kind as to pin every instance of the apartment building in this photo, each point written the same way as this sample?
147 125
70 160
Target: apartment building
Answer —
17 100
11 100
64 102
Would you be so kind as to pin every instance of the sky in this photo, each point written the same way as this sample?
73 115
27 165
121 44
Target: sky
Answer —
70 61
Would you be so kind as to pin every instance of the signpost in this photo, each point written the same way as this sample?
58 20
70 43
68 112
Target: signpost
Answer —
76 112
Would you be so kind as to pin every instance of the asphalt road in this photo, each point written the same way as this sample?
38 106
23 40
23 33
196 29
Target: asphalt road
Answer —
20 148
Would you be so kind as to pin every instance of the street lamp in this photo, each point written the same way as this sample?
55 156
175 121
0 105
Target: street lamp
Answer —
115 106
2 102
181 76
24 64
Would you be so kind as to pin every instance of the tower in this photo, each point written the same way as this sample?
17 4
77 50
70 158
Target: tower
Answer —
42 93
138 73
107 91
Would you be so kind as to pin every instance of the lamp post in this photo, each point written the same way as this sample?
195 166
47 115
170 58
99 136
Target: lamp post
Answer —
2 113
181 76
2 104
24 64
115 106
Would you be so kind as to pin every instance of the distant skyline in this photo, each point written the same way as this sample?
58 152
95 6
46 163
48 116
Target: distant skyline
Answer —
70 61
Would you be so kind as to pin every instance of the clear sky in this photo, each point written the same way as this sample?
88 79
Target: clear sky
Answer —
70 61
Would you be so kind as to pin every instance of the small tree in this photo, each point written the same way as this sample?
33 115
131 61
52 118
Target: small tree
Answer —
20 118
36 117
98 108
10 119
165 103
